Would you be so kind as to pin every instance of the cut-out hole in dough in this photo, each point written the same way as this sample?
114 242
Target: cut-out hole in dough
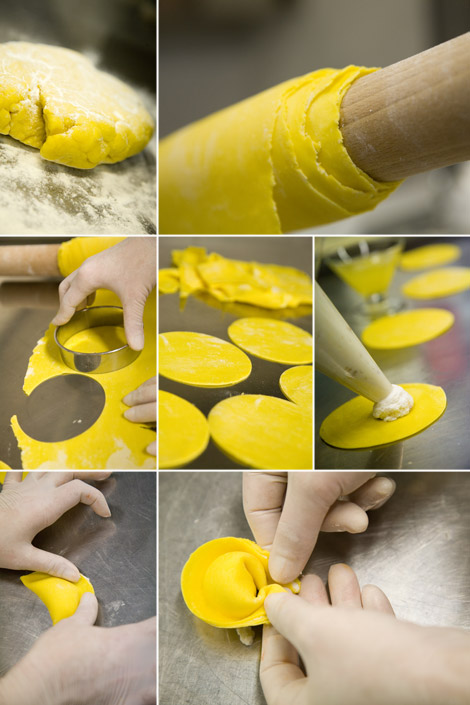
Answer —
62 407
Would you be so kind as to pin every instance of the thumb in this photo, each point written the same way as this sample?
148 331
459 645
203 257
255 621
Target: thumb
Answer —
294 618
133 322
45 562
87 610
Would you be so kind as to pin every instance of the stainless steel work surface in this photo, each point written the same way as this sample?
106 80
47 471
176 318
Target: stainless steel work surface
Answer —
26 309
415 549
444 361
38 196
213 318
117 555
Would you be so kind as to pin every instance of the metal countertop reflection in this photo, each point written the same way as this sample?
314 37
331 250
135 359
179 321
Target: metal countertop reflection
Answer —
444 361
117 554
213 318
26 309
415 549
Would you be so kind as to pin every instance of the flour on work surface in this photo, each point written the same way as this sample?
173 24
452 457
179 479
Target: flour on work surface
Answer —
37 196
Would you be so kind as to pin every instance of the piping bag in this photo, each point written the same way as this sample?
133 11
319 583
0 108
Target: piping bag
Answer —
340 354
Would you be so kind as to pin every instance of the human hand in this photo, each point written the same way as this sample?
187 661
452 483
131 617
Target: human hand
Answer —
143 403
75 662
355 651
129 269
29 506
286 511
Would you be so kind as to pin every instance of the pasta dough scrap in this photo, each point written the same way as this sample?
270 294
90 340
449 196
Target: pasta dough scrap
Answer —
429 256
54 99
225 582
112 442
263 432
297 384
276 341
353 426
408 328
183 431
201 360
266 285
271 164
60 596
438 283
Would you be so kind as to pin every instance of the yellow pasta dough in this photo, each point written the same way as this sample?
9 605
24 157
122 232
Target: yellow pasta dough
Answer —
183 431
60 596
438 283
265 285
353 426
296 383
225 582
403 330
273 163
201 360
112 442
263 432
429 256
54 99
97 339
269 339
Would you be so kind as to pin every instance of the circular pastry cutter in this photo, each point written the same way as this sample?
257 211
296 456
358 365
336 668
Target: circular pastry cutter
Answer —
65 406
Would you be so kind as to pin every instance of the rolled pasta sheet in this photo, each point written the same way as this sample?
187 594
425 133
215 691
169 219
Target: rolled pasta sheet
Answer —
274 163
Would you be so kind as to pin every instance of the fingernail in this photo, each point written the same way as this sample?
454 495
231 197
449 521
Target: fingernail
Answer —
128 399
129 414
137 342
280 569
70 574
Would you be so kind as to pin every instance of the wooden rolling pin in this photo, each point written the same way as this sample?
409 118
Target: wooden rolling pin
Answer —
29 260
412 116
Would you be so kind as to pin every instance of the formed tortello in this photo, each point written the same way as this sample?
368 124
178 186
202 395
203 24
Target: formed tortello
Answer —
225 582
352 425
201 360
263 432
54 99
269 339
183 431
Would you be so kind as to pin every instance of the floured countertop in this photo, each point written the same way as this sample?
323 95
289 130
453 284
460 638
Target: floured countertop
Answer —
37 196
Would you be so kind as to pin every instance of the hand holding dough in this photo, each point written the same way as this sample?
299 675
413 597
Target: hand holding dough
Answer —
129 269
29 506
75 661
54 99
286 511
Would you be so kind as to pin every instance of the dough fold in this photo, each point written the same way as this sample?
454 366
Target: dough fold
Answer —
274 163
60 596
225 583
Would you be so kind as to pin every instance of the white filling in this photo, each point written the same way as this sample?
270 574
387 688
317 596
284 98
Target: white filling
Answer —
397 403
247 635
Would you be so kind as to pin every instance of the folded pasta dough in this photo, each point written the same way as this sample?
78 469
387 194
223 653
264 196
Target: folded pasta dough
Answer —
273 163
225 583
